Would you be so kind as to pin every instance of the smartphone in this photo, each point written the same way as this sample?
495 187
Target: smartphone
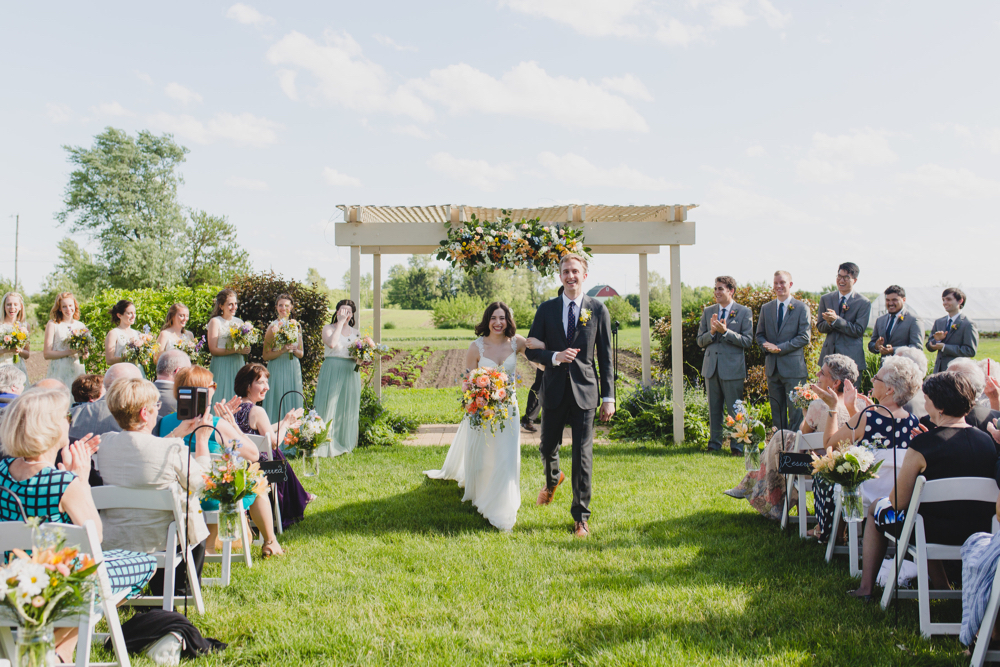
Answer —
191 402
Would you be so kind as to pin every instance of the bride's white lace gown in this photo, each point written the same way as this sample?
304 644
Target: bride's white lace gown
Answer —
488 465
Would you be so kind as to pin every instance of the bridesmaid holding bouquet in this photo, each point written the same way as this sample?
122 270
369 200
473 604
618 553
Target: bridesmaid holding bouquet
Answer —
338 390
283 348
227 360
64 319
13 313
123 316
173 330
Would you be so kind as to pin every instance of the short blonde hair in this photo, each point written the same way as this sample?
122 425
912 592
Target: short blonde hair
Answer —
782 272
31 423
572 255
127 397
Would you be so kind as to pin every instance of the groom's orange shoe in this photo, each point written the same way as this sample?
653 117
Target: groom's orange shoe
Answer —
546 495
581 529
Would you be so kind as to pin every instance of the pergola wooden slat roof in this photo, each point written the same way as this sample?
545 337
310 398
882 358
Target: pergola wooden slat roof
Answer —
640 230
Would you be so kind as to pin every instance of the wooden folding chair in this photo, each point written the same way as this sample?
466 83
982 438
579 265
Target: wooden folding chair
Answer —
981 489
18 535
165 500
804 442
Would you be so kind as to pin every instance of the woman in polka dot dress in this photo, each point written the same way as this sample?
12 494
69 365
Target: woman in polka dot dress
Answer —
892 387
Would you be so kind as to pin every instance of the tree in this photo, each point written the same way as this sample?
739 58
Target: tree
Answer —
123 193
212 255
659 288
416 286
75 272
365 294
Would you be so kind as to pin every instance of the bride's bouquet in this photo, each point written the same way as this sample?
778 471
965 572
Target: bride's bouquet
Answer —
487 398
82 341
286 333
363 351
243 336
141 351
802 397
13 338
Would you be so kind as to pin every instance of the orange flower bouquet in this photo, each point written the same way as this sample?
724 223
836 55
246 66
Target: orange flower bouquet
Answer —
487 398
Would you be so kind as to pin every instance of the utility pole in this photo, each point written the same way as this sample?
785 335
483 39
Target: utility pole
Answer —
17 233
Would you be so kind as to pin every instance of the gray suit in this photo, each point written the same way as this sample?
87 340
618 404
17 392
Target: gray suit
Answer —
846 334
169 403
93 418
906 332
785 369
724 367
961 340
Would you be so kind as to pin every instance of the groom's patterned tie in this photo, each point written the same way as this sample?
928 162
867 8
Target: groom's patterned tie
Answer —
571 321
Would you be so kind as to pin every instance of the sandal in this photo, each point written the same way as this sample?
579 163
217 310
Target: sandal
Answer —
267 550
867 599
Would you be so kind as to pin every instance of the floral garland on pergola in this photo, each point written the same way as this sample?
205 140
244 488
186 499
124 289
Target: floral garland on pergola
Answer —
479 245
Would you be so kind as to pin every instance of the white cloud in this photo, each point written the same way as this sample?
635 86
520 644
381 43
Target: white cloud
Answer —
830 159
243 129
183 95
774 18
334 177
577 170
343 75
728 14
628 85
247 15
948 182
594 18
241 183
111 109
391 43
286 79
145 78
477 173
992 139
410 131
756 151
528 91
731 203
675 33
58 113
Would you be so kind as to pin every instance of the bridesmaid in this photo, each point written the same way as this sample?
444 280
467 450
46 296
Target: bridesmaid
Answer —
286 373
123 317
13 311
338 390
64 363
226 362
173 327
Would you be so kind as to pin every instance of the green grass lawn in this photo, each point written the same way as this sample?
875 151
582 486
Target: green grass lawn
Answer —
433 406
390 568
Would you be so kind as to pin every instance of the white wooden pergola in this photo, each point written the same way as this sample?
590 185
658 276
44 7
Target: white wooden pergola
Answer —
620 230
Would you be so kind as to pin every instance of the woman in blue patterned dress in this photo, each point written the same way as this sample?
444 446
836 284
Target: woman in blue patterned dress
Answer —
33 431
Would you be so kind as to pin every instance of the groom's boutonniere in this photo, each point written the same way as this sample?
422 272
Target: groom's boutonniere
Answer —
585 316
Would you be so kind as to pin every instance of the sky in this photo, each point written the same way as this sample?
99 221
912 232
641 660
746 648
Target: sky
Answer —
808 134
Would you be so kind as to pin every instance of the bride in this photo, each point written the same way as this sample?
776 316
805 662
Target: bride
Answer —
488 465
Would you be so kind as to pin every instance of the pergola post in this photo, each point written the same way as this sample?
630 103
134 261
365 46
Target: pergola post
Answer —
676 343
377 319
356 279
644 318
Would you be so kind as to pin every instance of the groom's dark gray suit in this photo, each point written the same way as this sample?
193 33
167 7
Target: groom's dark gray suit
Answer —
572 391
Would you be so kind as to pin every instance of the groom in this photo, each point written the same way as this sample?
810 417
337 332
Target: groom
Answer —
574 328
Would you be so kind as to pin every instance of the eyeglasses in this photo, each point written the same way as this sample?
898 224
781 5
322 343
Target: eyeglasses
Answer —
879 379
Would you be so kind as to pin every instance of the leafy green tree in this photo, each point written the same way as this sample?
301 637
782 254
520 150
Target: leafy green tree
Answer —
365 295
75 272
212 255
123 193
415 286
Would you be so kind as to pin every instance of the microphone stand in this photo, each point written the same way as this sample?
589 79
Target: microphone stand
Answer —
187 509
614 342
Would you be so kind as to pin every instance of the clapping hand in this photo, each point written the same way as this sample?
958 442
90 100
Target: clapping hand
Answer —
772 348
76 459
225 413
91 442
717 325
939 335
828 396
292 419
830 315
992 392
992 430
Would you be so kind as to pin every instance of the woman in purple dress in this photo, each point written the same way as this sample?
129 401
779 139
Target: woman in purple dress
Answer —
251 387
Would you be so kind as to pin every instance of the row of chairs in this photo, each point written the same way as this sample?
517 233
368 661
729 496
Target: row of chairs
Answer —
921 551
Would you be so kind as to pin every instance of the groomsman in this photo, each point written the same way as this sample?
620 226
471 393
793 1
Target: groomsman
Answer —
784 331
955 335
725 332
897 328
844 317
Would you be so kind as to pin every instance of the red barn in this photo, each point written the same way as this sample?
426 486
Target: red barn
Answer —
602 292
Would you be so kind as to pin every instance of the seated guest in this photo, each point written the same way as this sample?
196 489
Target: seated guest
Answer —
952 449
167 366
95 417
916 404
980 556
953 335
259 506
12 381
991 393
897 328
33 432
136 459
251 387
87 389
981 415
764 489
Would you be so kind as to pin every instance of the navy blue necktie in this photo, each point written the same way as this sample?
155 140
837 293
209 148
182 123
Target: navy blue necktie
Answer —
781 314
888 328
843 302
571 321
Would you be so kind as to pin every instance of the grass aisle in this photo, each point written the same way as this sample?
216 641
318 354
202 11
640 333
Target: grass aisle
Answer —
391 568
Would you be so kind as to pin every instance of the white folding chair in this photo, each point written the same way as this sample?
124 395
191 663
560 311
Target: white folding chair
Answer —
852 538
981 489
17 535
264 447
804 442
165 500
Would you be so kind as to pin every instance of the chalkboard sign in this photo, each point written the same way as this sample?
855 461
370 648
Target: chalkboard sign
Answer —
790 463
274 471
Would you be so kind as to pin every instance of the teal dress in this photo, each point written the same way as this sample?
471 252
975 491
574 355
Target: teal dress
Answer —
225 368
338 397
286 375
169 423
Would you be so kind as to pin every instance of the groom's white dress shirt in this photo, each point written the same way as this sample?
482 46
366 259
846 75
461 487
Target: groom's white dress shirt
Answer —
565 325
